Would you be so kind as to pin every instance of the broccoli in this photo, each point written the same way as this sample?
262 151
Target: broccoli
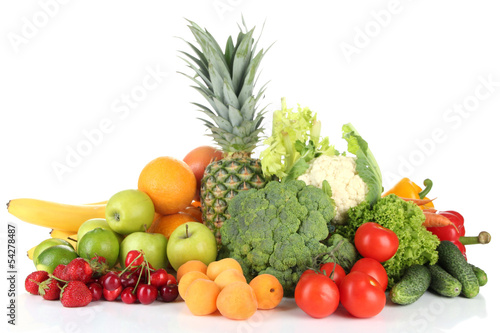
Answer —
279 229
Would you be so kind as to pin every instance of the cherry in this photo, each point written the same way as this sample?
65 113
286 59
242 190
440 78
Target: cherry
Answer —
128 296
159 277
171 279
134 259
146 293
168 292
129 280
111 295
96 290
111 281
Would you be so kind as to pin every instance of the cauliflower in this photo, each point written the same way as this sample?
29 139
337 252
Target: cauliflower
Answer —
348 189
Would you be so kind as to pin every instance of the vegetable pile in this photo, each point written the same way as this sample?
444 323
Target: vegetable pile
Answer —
416 244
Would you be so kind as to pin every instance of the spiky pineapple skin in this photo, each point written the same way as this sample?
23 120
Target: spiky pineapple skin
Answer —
222 180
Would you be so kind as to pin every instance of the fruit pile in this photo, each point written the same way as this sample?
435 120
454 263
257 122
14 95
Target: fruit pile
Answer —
222 286
82 281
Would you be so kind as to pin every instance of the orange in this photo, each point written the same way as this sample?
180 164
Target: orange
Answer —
229 276
201 297
166 224
216 267
268 290
187 279
194 212
169 182
189 266
237 301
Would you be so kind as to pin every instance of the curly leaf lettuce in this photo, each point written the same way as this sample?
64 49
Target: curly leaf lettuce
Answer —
417 245
295 140
366 165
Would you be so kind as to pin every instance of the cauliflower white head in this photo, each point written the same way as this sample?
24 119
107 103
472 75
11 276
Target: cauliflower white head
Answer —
348 188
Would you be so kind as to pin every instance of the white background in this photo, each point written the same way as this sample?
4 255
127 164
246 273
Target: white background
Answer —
400 71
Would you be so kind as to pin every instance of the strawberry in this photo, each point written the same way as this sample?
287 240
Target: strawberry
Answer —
99 266
78 269
59 272
33 280
50 289
75 294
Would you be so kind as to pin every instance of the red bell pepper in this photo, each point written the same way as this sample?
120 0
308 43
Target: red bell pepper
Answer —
456 233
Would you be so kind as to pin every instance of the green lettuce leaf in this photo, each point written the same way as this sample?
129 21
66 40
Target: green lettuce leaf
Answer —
295 140
366 165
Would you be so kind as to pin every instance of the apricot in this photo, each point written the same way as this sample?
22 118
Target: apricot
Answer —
187 279
189 266
216 267
268 290
237 301
228 276
201 297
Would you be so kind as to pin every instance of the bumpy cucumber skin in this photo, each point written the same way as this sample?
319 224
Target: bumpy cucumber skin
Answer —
443 283
412 286
482 278
452 260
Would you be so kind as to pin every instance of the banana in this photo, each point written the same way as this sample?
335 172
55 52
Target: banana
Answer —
54 215
98 203
31 251
68 236
62 234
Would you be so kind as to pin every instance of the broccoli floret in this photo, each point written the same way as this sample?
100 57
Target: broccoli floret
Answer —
278 230
341 251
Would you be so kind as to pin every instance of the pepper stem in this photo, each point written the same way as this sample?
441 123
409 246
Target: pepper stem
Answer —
483 238
427 189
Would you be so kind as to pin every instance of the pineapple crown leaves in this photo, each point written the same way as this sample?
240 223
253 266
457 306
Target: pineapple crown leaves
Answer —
226 79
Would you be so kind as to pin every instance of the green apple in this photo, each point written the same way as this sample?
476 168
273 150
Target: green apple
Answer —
94 224
99 242
45 244
129 211
153 245
191 241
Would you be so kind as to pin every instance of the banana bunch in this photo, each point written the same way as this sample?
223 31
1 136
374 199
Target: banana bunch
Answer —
63 219
55 215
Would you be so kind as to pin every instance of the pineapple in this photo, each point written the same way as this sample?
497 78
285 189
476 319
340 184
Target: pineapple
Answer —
226 80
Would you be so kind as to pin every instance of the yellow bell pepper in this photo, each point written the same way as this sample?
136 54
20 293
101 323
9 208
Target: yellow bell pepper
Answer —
405 188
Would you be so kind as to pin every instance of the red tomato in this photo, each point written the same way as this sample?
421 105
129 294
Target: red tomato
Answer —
375 241
307 271
361 295
333 271
317 295
373 268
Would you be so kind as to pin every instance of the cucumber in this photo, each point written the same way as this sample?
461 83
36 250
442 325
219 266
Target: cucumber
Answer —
482 278
412 285
443 283
452 260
